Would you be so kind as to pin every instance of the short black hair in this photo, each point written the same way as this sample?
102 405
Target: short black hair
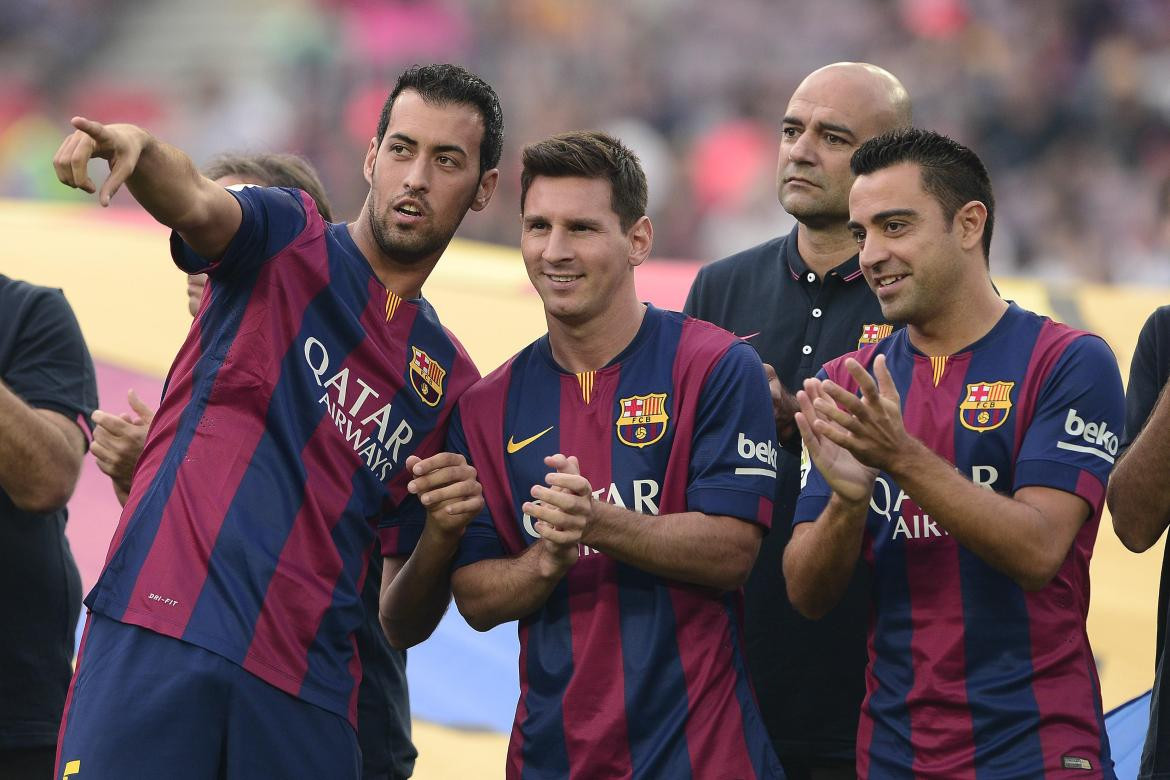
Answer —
444 84
273 170
951 172
590 155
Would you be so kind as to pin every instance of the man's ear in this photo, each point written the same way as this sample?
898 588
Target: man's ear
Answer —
371 159
641 236
971 220
487 186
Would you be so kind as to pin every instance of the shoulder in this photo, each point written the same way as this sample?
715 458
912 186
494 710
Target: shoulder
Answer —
22 301
746 262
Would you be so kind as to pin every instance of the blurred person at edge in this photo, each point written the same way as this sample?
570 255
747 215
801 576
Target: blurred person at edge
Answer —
383 700
801 301
304 412
47 392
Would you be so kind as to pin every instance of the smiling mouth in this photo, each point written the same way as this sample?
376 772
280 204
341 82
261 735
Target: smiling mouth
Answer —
563 278
409 210
887 281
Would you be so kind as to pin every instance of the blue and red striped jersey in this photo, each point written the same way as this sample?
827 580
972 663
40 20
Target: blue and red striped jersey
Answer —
624 673
969 675
278 449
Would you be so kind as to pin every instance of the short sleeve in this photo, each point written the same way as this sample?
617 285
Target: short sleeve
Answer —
49 366
480 541
272 219
1074 435
733 459
1147 375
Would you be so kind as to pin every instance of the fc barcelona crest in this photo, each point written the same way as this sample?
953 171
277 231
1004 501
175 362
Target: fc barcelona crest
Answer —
873 333
642 419
986 405
426 377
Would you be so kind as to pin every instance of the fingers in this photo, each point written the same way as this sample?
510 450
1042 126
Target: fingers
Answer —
565 499
137 404
567 464
95 130
575 484
453 493
433 478
420 467
542 510
885 380
555 535
122 165
111 424
78 146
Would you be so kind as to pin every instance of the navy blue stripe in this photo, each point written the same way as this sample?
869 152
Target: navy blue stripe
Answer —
533 403
331 650
657 706
759 746
549 669
1005 716
890 751
218 328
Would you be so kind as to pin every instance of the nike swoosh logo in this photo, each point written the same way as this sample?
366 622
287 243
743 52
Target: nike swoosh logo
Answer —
515 446
748 336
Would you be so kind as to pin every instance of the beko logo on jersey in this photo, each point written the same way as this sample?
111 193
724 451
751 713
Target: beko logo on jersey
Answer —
764 452
355 410
1102 442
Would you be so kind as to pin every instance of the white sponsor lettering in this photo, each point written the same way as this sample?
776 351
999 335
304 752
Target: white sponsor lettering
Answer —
763 451
985 476
1101 441
368 436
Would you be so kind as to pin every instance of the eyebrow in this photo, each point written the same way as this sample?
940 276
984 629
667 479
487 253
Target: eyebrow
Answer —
831 127
881 217
441 148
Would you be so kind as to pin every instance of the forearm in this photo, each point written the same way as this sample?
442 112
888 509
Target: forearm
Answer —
494 591
821 556
1004 532
39 465
710 550
1139 493
412 603
170 188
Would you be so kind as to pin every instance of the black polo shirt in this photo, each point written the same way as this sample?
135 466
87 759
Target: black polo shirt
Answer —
44 362
1147 376
808 675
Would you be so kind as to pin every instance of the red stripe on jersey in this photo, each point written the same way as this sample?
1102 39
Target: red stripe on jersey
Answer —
940 717
514 766
1064 675
234 421
597 746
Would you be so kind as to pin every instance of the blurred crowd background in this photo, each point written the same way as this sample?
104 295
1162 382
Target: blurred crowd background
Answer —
1068 101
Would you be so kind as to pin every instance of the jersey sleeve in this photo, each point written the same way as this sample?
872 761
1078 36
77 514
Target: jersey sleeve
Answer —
733 460
814 490
50 366
480 540
272 218
1147 374
1073 438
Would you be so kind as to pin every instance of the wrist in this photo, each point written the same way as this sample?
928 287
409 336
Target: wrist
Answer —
552 561
912 460
441 535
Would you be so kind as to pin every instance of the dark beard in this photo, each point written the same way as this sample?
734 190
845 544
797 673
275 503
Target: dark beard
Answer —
415 249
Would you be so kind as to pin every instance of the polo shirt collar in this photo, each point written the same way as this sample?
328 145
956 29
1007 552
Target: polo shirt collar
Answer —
848 271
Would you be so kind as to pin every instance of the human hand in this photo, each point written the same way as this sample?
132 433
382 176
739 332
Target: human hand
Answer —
784 406
871 426
845 475
118 441
561 513
121 145
446 485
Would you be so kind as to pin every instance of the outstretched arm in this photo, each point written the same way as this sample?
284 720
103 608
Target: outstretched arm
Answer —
161 178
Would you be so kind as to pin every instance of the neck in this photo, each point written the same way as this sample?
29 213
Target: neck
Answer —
967 316
825 248
403 279
591 345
